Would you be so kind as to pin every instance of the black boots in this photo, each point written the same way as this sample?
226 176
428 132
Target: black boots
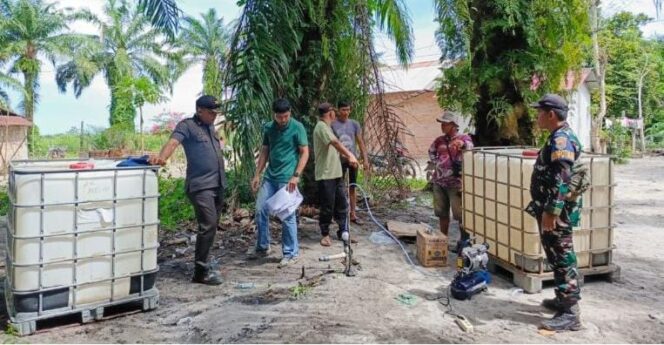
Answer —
207 274
565 319
552 304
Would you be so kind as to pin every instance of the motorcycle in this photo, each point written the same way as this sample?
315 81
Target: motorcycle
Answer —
409 166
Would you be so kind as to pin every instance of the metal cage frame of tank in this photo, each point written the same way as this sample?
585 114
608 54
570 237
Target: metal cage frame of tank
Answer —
539 261
25 322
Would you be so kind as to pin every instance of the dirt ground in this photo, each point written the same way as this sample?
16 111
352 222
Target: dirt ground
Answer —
363 309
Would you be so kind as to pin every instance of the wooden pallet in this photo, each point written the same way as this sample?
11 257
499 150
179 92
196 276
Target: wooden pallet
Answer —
26 323
532 282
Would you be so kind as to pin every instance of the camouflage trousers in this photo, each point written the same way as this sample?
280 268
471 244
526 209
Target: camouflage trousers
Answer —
559 249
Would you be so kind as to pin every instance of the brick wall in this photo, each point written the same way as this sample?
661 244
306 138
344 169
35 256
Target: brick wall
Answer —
419 112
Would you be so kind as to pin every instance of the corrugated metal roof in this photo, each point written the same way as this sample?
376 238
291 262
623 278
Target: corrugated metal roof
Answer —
418 77
14 121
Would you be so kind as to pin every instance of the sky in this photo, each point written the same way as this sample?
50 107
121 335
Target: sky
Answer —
58 112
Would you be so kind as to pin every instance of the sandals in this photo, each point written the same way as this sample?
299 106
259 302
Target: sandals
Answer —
357 221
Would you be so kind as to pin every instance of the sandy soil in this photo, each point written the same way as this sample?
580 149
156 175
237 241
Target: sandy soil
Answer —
338 309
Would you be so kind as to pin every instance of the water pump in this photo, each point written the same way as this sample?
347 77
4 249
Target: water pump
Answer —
472 276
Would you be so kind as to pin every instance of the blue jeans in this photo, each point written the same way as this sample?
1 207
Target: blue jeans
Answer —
289 243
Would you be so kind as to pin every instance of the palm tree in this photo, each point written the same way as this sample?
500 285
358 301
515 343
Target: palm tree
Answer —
206 41
31 31
308 51
507 54
140 91
129 48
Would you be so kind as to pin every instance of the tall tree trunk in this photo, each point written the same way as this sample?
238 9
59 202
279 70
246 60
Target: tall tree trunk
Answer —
123 112
599 62
29 106
211 78
640 95
497 126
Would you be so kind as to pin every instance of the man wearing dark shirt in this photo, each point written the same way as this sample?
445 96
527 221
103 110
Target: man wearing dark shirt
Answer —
205 182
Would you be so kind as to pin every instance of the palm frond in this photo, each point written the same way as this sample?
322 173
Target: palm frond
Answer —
392 16
163 14
453 35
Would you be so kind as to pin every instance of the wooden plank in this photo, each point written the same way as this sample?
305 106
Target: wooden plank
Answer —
532 282
401 229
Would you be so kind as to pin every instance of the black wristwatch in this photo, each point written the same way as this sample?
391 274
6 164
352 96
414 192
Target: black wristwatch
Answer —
296 174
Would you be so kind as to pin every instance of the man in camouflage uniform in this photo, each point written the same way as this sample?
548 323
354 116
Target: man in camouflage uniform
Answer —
556 210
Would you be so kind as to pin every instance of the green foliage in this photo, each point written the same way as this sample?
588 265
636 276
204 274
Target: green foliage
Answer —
11 335
620 141
7 82
631 57
131 50
163 14
112 138
387 183
300 290
4 201
507 53
238 193
30 30
175 209
655 135
131 93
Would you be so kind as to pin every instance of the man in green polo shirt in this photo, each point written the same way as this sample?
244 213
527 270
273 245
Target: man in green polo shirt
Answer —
331 188
285 151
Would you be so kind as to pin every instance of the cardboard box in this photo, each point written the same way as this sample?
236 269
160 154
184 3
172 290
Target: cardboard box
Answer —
431 248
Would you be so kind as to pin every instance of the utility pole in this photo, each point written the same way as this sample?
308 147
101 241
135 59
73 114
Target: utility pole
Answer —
80 145
599 62
642 75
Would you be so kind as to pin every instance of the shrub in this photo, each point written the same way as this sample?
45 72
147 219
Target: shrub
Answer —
4 201
620 142
175 210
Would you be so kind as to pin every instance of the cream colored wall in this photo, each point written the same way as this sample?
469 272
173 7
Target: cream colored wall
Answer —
14 144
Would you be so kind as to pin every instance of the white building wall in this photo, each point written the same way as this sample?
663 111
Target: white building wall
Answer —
579 115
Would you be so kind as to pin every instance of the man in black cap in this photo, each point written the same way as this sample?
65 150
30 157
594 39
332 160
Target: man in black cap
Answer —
556 205
206 180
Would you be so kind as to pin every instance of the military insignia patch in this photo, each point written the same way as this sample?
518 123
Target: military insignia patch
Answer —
561 143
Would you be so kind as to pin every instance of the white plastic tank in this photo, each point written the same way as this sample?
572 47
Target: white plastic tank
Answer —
89 235
496 184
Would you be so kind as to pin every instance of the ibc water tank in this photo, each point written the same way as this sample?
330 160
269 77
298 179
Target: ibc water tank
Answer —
79 236
496 184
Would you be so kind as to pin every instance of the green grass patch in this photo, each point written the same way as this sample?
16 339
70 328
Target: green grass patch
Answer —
300 290
4 201
103 140
175 209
